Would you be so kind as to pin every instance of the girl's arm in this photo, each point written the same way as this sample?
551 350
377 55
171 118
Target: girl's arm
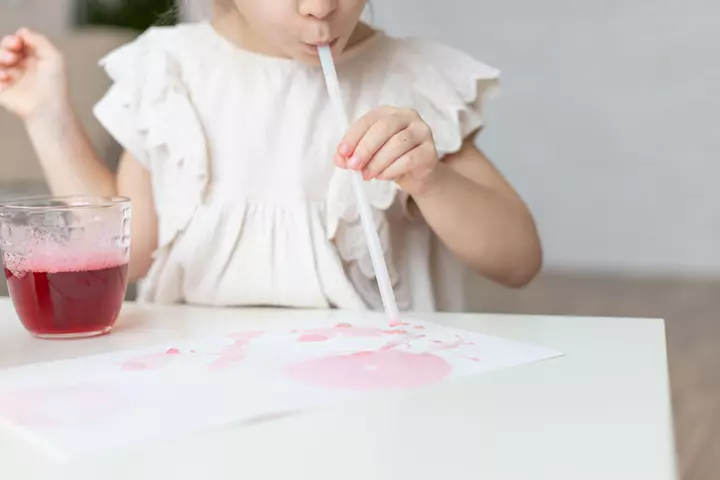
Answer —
464 199
72 167
33 87
480 217
134 182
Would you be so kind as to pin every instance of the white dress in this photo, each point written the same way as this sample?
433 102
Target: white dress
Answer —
251 209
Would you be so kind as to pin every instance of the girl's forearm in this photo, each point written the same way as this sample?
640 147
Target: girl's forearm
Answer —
493 234
67 156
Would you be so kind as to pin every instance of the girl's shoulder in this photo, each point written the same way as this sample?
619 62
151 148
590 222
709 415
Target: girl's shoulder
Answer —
417 56
446 85
163 44
417 49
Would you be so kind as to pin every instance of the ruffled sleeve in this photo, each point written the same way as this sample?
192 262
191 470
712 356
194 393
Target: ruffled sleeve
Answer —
149 112
446 86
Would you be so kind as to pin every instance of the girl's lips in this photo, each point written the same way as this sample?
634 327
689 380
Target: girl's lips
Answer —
328 43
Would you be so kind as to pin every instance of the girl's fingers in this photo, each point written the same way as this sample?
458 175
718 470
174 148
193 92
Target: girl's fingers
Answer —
9 75
400 144
37 42
377 135
12 43
8 58
410 161
358 130
339 161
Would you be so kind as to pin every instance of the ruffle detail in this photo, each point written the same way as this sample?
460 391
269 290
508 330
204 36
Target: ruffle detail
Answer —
149 111
344 227
446 86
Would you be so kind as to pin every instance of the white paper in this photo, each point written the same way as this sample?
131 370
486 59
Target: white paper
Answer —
103 403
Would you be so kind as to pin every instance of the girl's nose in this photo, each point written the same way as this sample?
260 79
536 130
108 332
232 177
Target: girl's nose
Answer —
319 9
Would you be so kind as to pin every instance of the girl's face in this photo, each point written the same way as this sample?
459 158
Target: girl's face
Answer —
294 28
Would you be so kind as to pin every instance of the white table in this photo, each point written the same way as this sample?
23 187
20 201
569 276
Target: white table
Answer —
600 412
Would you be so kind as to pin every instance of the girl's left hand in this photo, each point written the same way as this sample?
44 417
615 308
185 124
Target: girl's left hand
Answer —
390 144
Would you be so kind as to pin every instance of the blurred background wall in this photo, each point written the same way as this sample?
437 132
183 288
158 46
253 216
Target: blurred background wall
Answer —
607 125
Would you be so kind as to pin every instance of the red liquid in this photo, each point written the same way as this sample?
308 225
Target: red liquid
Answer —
68 303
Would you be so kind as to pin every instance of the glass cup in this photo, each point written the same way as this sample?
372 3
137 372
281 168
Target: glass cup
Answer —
66 262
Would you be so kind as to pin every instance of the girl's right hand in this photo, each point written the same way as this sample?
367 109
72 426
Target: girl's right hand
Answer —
33 81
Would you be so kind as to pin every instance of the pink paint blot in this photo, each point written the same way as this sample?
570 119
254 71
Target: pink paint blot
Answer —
367 371
313 337
419 327
235 353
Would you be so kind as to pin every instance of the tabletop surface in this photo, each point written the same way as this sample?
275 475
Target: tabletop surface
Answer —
601 411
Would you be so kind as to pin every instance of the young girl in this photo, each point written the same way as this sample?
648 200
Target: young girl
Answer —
229 143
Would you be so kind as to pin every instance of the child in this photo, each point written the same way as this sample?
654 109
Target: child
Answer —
229 142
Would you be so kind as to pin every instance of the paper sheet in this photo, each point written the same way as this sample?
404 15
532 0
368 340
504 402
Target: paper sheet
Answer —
102 403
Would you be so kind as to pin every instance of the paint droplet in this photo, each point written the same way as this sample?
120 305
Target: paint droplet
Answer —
343 325
395 332
173 351
361 354
419 327
313 337
134 366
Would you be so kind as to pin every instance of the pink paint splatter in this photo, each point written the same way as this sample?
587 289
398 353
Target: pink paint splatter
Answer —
380 370
385 368
459 342
153 361
313 337
395 332
235 353
339 330
419 327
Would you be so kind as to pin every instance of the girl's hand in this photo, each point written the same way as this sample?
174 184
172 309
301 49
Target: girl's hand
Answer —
32 75
391 144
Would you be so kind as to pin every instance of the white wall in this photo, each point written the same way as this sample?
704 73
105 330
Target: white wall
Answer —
609 122
48 16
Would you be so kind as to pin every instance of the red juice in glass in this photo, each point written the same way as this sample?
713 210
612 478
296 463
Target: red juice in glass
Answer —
64 302
66 263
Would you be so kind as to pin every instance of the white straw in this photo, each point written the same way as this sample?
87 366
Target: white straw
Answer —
366 215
